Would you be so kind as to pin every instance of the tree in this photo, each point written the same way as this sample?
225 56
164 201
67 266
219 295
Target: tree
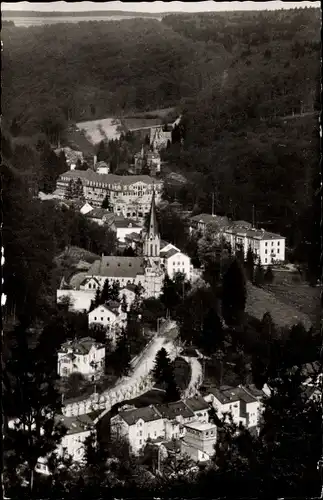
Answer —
212 332
98 297
172 391
124 305
234 294
239 254
250 264
106 292
106 203
259 278
169 296
69 193
115 291
269 275
31 397
122 355
161 367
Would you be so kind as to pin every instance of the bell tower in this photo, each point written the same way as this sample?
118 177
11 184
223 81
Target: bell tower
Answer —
152 237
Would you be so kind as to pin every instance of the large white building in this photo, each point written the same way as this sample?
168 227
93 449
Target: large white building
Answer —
268 247
129 195
175 261
159 422
85 356
243 404
110 316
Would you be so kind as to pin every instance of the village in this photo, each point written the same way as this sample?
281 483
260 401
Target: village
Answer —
126 205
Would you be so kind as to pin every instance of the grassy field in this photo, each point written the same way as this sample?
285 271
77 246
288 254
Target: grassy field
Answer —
284 313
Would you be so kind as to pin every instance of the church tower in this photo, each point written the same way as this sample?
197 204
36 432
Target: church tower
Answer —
152 237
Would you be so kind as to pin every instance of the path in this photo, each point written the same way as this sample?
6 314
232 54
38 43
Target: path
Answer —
196 376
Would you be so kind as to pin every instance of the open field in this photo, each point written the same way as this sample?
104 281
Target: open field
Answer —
99 130
260 301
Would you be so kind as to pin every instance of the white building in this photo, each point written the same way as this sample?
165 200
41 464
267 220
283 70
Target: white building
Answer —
268 247
138 426
175 416
176 261
84 356
110 316
244 406
199 441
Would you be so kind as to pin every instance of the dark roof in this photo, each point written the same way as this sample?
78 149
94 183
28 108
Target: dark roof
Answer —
77 424
147 414
231 394
119 267
98 213
172 446
173 410
197 403
170 253
133 236
131 287
90 175
82 346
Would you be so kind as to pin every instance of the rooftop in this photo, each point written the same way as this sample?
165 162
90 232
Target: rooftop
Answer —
124 223
208 218
201 426
170 253
173 410
99 213
82 346
147 414
197 403
232 394
75 425
121 267
90 175
258 234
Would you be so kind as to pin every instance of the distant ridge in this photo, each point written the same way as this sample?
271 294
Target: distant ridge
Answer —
104 13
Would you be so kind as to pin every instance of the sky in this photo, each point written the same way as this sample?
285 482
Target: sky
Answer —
154 7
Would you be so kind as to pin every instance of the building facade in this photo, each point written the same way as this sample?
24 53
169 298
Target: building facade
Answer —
199 441
85 356
128 195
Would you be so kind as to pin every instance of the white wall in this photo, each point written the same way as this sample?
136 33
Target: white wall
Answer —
271 251
178 263
80 299
74 445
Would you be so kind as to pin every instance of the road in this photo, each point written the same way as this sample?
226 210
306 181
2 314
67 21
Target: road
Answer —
196 376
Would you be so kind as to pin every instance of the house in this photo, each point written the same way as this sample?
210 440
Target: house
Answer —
110 316
199 407
125 270
100 215
268 247
101 167
244 407
138 425
90 283
175 261
175 416
78 430
129 292
125 227
128 195
200 222
199 441
85 356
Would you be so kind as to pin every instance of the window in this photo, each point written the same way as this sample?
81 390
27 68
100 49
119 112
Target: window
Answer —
272 243
278 243
94 318
277 250
101 319
173 263
90 286
266 244
265 251
155 433
207 433
140 433
265 260
140 441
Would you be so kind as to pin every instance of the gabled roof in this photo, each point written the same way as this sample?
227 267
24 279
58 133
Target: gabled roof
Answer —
147 414
118 267
124 223
82 346
109 179
153 226
75 425
170 253
173 410
197 403
106 307
98 213
232 394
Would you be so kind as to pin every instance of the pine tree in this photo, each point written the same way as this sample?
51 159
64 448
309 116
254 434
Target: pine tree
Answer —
124 305
106 292
31 397
97 298
69 193
259 275
122 355
115 291
234 294
161 367
212 331
269 275
250 264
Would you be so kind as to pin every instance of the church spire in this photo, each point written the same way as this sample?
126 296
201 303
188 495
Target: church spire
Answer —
153 226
